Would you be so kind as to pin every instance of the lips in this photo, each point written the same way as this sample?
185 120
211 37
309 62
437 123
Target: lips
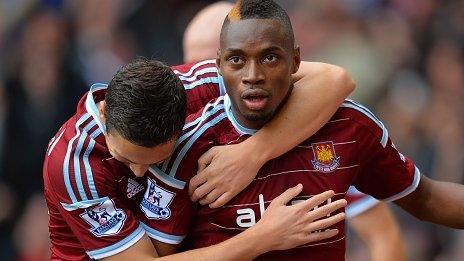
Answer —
255 99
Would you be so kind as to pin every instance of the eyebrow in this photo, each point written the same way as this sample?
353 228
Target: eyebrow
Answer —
266 50
121 156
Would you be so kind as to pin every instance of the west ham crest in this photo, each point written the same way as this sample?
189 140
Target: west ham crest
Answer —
156 201
325 159
105 218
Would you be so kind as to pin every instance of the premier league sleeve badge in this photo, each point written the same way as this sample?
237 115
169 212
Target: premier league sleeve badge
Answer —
105 219
156 201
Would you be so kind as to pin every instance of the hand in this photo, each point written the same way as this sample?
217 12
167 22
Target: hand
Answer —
284 227
223 172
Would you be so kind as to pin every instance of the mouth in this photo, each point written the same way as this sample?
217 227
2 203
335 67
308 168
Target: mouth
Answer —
255 99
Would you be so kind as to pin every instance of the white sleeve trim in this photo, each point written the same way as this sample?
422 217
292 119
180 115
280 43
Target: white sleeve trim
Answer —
360 206
411 188
118 247
163 237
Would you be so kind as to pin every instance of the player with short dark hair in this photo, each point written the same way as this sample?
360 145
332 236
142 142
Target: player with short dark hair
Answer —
352 148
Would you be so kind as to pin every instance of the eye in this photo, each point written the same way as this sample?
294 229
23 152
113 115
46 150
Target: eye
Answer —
270 58
235 60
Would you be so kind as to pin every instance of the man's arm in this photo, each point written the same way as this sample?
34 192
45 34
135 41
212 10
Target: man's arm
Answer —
282 227
319 90
378 228
436 201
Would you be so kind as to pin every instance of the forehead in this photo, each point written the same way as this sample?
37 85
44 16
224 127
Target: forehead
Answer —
254 32
137 154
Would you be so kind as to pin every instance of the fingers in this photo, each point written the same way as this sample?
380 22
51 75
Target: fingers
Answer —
195 182
321 235
315 200
206 159
212 196
285 197
325 222
325 210
222 200
201 191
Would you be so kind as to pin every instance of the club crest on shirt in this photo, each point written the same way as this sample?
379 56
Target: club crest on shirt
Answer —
325 158
156 201
104 218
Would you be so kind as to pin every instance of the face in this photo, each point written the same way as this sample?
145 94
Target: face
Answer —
137 158
257 61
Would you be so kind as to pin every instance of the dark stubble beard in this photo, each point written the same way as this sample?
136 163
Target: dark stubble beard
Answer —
262 118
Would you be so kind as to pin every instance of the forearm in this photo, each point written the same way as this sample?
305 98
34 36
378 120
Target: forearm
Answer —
446 205
245 246
318 92
437 202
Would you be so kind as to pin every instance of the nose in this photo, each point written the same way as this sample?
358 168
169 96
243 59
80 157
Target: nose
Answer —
139 170
253 74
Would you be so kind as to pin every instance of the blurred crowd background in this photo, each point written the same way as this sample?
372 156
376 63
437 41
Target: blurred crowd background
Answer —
406 56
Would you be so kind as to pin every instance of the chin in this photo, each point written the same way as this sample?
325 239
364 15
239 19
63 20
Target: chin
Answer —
258 117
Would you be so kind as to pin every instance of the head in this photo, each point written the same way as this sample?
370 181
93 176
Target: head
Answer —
200 44
257 57
144 111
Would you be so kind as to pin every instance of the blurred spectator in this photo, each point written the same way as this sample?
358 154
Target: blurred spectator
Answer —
102 43
197 43
40 89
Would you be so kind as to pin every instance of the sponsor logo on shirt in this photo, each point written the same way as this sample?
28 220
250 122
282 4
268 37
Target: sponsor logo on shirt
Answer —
156 201
105 218
246 217
133 187
325 158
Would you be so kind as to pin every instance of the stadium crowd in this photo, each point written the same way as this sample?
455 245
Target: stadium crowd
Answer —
405 55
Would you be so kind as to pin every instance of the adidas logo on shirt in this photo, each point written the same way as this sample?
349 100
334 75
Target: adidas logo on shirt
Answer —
133 187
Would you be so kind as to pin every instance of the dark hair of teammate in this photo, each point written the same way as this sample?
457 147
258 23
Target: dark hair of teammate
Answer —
145 103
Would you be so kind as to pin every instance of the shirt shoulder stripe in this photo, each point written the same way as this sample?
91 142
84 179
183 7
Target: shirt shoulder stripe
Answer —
88 169
55 141
198 73
209 110
67 179
80 158
356 106
195 66
194 137
189 86
76 161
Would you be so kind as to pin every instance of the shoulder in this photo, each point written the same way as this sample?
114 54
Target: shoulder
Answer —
193 75
194 69
364 119
197 137
75 168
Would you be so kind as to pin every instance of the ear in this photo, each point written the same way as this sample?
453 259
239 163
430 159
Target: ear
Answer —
101 111
218 61
296 59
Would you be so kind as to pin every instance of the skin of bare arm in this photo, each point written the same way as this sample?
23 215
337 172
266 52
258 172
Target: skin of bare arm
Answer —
436 201
319 90
282 227
378 229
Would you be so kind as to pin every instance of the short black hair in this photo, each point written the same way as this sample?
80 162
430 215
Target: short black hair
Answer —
145 103
260 9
